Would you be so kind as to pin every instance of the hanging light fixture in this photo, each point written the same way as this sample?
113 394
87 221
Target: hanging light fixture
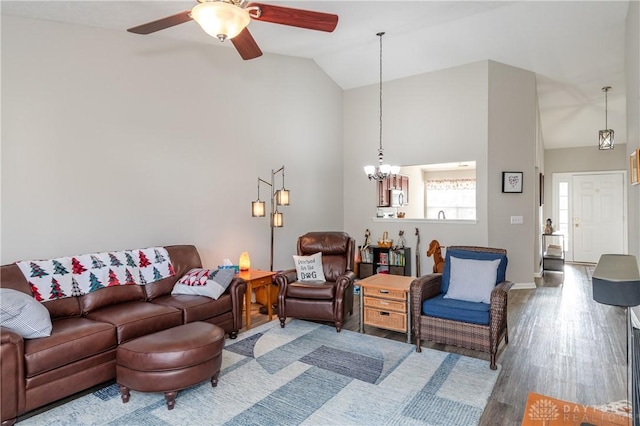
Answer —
282 195
221 19
278 197
277 220
605 139
381 171
257 207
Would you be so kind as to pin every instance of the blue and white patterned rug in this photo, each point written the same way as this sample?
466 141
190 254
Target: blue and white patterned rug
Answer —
306 374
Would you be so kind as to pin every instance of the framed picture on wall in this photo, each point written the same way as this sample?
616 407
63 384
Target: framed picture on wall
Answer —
511 181
634 167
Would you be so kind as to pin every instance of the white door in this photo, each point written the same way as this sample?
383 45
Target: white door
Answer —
598 216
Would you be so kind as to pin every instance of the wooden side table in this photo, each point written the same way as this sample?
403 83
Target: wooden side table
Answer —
255 279
384 303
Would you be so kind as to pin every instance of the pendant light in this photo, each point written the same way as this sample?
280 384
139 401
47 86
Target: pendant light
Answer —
381 171
605 139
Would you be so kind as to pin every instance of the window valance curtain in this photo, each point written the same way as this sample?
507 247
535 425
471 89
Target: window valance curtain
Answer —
450 184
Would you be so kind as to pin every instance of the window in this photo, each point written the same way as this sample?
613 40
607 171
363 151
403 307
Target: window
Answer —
445 188
450 199
563 208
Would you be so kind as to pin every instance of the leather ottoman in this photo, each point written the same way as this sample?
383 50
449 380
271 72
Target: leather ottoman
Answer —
170 360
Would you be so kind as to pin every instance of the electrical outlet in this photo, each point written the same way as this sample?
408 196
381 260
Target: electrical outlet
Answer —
517 220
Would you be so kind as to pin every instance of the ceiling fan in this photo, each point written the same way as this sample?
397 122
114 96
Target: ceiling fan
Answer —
228 19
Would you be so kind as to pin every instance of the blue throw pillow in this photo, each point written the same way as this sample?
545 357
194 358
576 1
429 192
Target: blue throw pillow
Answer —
477 255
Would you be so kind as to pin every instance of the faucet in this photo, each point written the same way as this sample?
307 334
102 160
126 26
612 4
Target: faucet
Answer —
441 212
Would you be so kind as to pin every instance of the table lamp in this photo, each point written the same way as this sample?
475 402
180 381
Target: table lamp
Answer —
245 262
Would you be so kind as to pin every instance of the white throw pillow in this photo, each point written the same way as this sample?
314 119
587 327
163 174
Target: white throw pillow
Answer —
309 268
21 313
204 282
472 280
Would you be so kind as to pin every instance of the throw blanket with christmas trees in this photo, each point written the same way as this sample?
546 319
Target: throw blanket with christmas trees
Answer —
78 275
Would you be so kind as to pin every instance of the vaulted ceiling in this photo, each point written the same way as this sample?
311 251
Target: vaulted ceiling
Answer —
574 47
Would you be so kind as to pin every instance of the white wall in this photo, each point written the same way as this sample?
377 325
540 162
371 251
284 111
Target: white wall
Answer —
437 117
632 73
443 117
112 140
632 82
415 208
582 159
512 147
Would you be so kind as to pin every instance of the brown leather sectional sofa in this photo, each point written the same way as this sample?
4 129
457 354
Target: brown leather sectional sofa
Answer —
81 351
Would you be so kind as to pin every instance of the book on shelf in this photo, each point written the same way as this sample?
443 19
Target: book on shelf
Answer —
384 259
397 258
366 256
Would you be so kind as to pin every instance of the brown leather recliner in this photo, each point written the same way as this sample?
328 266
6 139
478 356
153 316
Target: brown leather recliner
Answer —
328 301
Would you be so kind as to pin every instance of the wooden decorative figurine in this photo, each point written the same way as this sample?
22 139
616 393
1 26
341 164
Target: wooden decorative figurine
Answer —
435 251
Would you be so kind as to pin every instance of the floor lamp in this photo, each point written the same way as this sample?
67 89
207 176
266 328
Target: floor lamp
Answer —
616 281
278 197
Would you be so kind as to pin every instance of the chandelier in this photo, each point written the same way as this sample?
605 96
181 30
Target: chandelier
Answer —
605 139
381 171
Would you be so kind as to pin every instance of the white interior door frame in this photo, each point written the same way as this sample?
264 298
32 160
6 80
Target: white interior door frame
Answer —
557 178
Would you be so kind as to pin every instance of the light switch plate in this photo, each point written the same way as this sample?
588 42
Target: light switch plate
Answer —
517 220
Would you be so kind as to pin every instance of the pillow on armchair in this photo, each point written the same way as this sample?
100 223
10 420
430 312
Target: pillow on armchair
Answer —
309 268
471 279
476 255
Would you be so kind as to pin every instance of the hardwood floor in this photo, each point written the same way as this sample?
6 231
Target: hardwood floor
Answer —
561 343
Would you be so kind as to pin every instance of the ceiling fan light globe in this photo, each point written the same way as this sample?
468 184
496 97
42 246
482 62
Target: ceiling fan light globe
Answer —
221 20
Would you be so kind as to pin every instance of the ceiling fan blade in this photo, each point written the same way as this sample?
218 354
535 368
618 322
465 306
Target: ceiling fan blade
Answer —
296 17
161 24
246 45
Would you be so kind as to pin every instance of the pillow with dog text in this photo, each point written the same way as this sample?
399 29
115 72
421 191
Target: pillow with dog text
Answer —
309 268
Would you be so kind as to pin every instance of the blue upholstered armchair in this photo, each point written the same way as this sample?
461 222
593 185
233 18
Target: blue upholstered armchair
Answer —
466 305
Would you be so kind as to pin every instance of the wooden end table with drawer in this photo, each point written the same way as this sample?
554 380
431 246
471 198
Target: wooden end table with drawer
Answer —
385 303
255 279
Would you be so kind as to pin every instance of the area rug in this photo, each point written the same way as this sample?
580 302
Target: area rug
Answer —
306 374
542 410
